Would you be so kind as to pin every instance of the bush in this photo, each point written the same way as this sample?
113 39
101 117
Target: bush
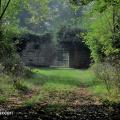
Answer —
28 72
2 99
109 74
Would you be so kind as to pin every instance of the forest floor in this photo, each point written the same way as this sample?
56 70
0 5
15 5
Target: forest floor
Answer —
60 94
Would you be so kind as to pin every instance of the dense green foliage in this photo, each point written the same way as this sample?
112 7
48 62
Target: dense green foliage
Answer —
103 30
102 21
103 26
10 28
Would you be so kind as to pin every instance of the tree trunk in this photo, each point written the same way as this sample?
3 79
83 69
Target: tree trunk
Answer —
4 10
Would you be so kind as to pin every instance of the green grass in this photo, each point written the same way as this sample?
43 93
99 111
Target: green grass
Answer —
57 81
64 78
6 88
60 79
53 85
3 99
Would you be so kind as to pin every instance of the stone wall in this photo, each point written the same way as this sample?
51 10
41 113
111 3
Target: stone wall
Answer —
38 52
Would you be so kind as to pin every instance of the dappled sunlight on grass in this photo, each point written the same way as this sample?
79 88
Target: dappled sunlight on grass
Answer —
60 79
57 85
57 82
6 87
66 75
99 89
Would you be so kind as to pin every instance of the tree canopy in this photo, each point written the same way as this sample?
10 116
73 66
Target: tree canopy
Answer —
103 26
100 17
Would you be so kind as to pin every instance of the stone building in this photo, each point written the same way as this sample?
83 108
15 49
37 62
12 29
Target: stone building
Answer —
41 52
37 51
72 51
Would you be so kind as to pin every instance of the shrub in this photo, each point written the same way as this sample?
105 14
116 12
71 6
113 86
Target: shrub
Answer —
21 87
109 74
2 99
28 72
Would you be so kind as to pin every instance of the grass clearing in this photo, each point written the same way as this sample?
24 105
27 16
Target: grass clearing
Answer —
6 88
55 86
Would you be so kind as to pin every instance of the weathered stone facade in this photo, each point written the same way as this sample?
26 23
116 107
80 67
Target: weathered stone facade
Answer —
77 53
70 51
73 56
38 51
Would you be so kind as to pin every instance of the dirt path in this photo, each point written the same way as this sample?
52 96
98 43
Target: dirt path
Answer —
81 105
79 96
82 96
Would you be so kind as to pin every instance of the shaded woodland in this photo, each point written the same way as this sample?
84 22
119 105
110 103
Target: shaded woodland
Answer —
60 59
